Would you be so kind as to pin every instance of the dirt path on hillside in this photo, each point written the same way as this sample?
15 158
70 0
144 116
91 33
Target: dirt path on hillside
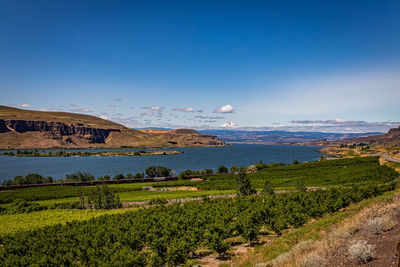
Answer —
387 157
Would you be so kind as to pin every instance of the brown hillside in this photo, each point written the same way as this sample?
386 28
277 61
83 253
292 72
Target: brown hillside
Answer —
38 129
390 139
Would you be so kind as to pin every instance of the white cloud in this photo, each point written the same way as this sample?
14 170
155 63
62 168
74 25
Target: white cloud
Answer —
148 113
189 109
43 109
104 117
333 121
228 124
80 110
155 108
208 117
24 105
112 105
225 109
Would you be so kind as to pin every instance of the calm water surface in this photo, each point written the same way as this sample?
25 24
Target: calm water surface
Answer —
192 158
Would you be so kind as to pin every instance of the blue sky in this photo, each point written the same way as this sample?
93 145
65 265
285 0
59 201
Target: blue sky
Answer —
295 65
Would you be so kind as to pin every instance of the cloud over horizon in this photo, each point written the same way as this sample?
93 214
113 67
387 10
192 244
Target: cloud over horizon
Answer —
189 109
80 110
228 124
209 117
155 108
23 105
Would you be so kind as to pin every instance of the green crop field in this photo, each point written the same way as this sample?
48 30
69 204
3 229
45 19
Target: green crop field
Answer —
28 221
131 196
167 235
35 229
314 174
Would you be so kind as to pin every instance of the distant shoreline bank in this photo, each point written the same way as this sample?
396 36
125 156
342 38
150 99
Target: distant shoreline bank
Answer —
61 153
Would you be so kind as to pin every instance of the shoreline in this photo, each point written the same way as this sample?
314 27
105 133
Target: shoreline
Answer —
61 154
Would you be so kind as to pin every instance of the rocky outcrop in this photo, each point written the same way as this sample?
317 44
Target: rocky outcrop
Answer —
394 131
57 130
3 127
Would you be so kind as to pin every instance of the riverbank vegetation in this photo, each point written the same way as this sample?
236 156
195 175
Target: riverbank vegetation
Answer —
62 153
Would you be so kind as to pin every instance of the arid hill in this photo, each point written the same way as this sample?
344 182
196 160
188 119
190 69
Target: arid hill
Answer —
390 139
39 129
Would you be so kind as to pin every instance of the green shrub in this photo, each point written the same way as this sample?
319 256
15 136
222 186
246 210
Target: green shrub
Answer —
157 171
102 198
158 201
222 169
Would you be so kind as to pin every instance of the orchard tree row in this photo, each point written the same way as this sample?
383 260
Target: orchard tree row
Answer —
170 234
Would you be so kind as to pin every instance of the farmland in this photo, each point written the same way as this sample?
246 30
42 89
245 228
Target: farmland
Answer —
49 232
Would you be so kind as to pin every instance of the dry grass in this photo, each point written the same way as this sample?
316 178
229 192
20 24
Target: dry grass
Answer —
312 253
382 224
312 259
361 251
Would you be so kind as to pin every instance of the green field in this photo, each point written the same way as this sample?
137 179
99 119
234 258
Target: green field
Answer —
132 196
168 235
344 181
28 221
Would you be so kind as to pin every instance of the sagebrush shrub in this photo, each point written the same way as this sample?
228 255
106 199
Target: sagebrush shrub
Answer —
361 251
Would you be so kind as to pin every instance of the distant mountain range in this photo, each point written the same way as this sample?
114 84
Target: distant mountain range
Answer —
389 139
237 136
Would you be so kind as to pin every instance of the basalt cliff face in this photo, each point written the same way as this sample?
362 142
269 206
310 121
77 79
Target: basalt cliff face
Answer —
57 130
36 129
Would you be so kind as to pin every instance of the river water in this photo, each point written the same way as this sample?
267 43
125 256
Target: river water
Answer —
192 158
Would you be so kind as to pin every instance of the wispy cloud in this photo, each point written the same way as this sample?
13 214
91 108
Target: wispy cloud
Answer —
148 113
225 109
333 121
367 94
24 105
189 109
80 110
73 105
209 117
155 108
229 124
340 125
117 99
112 105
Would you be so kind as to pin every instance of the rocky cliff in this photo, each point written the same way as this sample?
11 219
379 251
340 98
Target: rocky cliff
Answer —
56 129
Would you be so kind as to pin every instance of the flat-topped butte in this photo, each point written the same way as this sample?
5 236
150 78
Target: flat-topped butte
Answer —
28 129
